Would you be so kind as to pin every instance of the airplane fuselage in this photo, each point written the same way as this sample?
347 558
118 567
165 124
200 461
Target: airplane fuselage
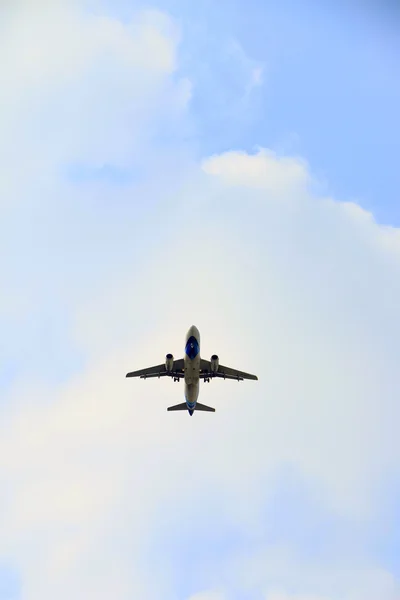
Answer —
192 367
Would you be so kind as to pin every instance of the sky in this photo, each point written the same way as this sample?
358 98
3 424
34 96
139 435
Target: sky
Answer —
230 165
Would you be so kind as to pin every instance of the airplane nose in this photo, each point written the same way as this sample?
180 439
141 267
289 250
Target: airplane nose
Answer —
193 331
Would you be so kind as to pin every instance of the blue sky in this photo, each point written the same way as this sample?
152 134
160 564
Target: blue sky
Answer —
330 82
231 165
330 88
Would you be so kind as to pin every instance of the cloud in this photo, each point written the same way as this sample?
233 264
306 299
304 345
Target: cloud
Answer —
83 86
283 574
208 596
103 492
263 170
101 461
252 70
284 596
88 97
257 76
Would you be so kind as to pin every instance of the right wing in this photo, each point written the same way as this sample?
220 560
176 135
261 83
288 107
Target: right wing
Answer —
223 372
160 371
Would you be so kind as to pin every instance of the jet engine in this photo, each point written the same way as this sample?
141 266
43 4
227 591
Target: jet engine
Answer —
169 362
214 363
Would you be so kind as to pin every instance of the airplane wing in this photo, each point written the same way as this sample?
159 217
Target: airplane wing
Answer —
225 372
160 371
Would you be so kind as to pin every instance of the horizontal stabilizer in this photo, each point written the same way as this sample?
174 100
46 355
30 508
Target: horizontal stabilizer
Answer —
182 406
204 407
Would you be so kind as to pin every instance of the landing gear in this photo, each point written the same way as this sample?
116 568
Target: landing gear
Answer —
206 380
176 379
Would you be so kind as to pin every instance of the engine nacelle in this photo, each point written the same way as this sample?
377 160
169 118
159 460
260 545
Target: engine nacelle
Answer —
169 362
214 363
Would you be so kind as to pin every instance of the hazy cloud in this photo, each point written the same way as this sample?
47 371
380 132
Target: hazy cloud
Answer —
105 494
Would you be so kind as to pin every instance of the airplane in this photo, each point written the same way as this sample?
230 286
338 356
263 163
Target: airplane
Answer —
192 368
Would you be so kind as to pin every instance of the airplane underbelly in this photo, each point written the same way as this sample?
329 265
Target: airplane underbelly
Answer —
192 370
191 393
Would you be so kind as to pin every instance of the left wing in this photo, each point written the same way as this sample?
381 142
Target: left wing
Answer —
160 371
225 372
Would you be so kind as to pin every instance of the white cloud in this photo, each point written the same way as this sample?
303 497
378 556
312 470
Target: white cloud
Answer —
99 483
257 76
355 586
61 41
84 87
287 575
210 595
284 294
263 170
284 596
78 88
252 69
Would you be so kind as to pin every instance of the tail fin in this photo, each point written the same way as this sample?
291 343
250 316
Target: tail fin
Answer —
184 406
204 407
178 407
